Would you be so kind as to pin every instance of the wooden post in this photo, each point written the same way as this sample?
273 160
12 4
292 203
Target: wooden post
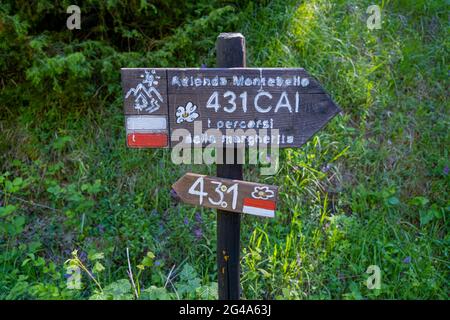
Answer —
230 52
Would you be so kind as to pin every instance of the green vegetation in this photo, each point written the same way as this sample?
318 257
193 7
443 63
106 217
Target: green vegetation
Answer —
369 189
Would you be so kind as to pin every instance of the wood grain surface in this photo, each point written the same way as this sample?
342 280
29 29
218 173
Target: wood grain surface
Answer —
248 99
226 194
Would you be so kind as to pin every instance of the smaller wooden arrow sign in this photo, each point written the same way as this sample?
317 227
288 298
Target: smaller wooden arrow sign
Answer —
227 194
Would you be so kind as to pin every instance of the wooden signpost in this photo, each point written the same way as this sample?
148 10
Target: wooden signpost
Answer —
237 100
227 194
234 106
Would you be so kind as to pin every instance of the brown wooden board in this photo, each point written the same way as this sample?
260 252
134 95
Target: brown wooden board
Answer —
146 108
287 99
144 91
227 194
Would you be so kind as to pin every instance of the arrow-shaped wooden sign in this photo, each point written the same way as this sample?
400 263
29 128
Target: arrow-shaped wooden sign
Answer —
227 194
245 105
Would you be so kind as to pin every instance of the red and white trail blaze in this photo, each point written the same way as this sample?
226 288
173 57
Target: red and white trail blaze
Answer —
258 207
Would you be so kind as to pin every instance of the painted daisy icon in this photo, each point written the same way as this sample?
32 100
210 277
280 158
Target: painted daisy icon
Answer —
187 113
263 193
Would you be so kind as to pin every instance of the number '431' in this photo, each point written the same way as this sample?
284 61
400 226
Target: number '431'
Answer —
216 199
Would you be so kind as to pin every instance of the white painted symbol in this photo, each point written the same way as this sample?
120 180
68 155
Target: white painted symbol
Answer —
260 82
144 122
219 191
187 113
200 193
146 97
263 193
304 82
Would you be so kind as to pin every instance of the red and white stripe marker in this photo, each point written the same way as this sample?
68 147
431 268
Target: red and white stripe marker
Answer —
258 207
147 131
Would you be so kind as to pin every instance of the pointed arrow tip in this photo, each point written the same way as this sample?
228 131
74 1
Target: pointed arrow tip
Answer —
174 196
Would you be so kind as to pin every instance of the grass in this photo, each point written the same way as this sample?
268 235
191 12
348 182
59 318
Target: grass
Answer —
369 189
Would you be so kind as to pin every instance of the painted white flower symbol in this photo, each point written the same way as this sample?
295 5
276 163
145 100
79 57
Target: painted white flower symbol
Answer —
187 113
263 193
